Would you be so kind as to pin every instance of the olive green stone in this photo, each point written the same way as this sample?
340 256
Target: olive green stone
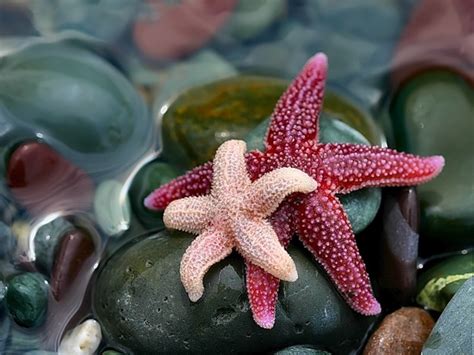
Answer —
141 304
27 299
201 119
46 241
361 206
437 285
149 178
433 113
452 333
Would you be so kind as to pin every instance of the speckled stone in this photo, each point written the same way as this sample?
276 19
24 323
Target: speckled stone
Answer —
401 332
112 207
27 299
141 304
84 339
438 284
418 113
452 333
46 241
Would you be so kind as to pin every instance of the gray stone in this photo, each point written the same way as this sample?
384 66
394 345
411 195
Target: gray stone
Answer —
452 333
141 304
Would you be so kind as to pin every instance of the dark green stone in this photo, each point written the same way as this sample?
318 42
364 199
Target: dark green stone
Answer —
452 333
437 285
361 206
141 304
433 113
149 178
27 299
81 106
46 241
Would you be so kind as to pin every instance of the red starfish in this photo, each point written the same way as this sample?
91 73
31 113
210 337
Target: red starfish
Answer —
318 218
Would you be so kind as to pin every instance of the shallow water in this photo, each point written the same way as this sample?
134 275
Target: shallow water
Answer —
93 83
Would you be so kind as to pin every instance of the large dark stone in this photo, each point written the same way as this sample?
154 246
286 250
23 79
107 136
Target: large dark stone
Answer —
141 304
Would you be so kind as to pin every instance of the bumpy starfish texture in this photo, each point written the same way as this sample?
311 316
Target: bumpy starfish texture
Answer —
234 215
318 218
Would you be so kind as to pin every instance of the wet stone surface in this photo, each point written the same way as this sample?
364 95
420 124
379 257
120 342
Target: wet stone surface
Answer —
141 304
401 332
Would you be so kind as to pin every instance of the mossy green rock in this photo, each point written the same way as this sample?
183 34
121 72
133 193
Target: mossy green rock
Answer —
77 103
204 117
27 299
141 304
149 178
433 113
301 350
361 206
437 285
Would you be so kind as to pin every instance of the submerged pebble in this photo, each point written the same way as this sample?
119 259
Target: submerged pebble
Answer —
75 250
27 299
46 241
82 340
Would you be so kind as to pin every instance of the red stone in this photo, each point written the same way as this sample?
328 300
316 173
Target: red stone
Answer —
174 30
440 33
74 255
43 181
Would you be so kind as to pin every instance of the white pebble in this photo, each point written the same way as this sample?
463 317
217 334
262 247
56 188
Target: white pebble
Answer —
82 340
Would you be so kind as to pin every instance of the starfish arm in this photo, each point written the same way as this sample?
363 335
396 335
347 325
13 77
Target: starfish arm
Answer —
230 169
267 193
258 243
350 167
206 250
262 287
295 118
190 214
196 182
324 230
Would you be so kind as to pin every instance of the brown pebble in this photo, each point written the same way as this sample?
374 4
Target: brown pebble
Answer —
409 206
75 250
402 332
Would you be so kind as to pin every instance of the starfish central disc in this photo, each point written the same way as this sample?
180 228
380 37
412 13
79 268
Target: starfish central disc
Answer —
234 215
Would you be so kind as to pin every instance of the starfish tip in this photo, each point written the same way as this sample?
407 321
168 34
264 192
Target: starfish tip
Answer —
266 321
319 59
438 163
373 309
194 296
149 202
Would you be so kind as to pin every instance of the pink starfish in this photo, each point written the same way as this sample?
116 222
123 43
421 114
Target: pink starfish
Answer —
318 218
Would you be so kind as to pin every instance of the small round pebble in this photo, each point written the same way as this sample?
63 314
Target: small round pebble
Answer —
82 340
27 299
401 332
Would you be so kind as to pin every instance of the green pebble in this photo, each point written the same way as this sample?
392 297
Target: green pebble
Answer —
149 178
27 299
433 114
452 333
141 304
46 241
112 207
111 352
437 285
